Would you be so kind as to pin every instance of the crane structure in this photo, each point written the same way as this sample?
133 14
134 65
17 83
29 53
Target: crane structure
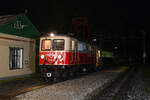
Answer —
80 26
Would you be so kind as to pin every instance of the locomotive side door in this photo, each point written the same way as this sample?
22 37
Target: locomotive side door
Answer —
73 50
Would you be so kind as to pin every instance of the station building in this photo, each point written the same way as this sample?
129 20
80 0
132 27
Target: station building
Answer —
17 46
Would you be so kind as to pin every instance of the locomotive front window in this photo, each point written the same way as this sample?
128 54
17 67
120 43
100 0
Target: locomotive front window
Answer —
58 44
46 44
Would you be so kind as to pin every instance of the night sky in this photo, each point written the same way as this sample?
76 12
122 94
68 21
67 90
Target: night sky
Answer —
109 15
120 23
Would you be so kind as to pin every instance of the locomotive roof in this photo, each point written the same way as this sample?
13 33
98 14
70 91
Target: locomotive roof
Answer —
69 35
59 34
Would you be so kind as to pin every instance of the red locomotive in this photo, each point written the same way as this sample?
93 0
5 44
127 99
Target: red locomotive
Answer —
63 56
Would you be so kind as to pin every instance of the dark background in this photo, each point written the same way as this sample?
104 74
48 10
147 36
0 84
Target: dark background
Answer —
115 23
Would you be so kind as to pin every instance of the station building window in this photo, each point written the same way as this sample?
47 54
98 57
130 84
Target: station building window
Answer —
15 58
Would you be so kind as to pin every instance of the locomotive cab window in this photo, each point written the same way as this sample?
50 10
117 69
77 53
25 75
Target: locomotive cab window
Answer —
46 44
58 44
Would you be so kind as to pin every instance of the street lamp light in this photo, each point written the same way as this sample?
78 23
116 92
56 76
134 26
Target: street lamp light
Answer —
94 40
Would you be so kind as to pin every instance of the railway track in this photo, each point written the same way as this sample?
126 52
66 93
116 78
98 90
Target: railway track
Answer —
127 87
11 94
39 84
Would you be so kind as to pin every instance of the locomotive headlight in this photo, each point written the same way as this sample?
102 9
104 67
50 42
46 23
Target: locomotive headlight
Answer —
42 56
59 56
52 34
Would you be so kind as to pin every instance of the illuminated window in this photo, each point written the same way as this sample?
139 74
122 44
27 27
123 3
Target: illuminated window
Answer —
73 45
46 44
58 44
93 51
15 58
99 53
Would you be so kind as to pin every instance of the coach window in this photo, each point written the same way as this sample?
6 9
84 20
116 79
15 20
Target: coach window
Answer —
46 44
92 51
58 44
89 48
80 47
85 47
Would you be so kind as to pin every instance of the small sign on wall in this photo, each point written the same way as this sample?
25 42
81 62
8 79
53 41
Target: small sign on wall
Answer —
26 62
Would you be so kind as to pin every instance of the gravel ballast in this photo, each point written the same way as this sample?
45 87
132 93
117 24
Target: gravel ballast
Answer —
77 89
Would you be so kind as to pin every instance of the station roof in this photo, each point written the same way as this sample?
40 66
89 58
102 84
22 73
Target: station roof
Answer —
18 25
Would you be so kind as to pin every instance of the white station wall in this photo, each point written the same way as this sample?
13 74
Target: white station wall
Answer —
29 52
